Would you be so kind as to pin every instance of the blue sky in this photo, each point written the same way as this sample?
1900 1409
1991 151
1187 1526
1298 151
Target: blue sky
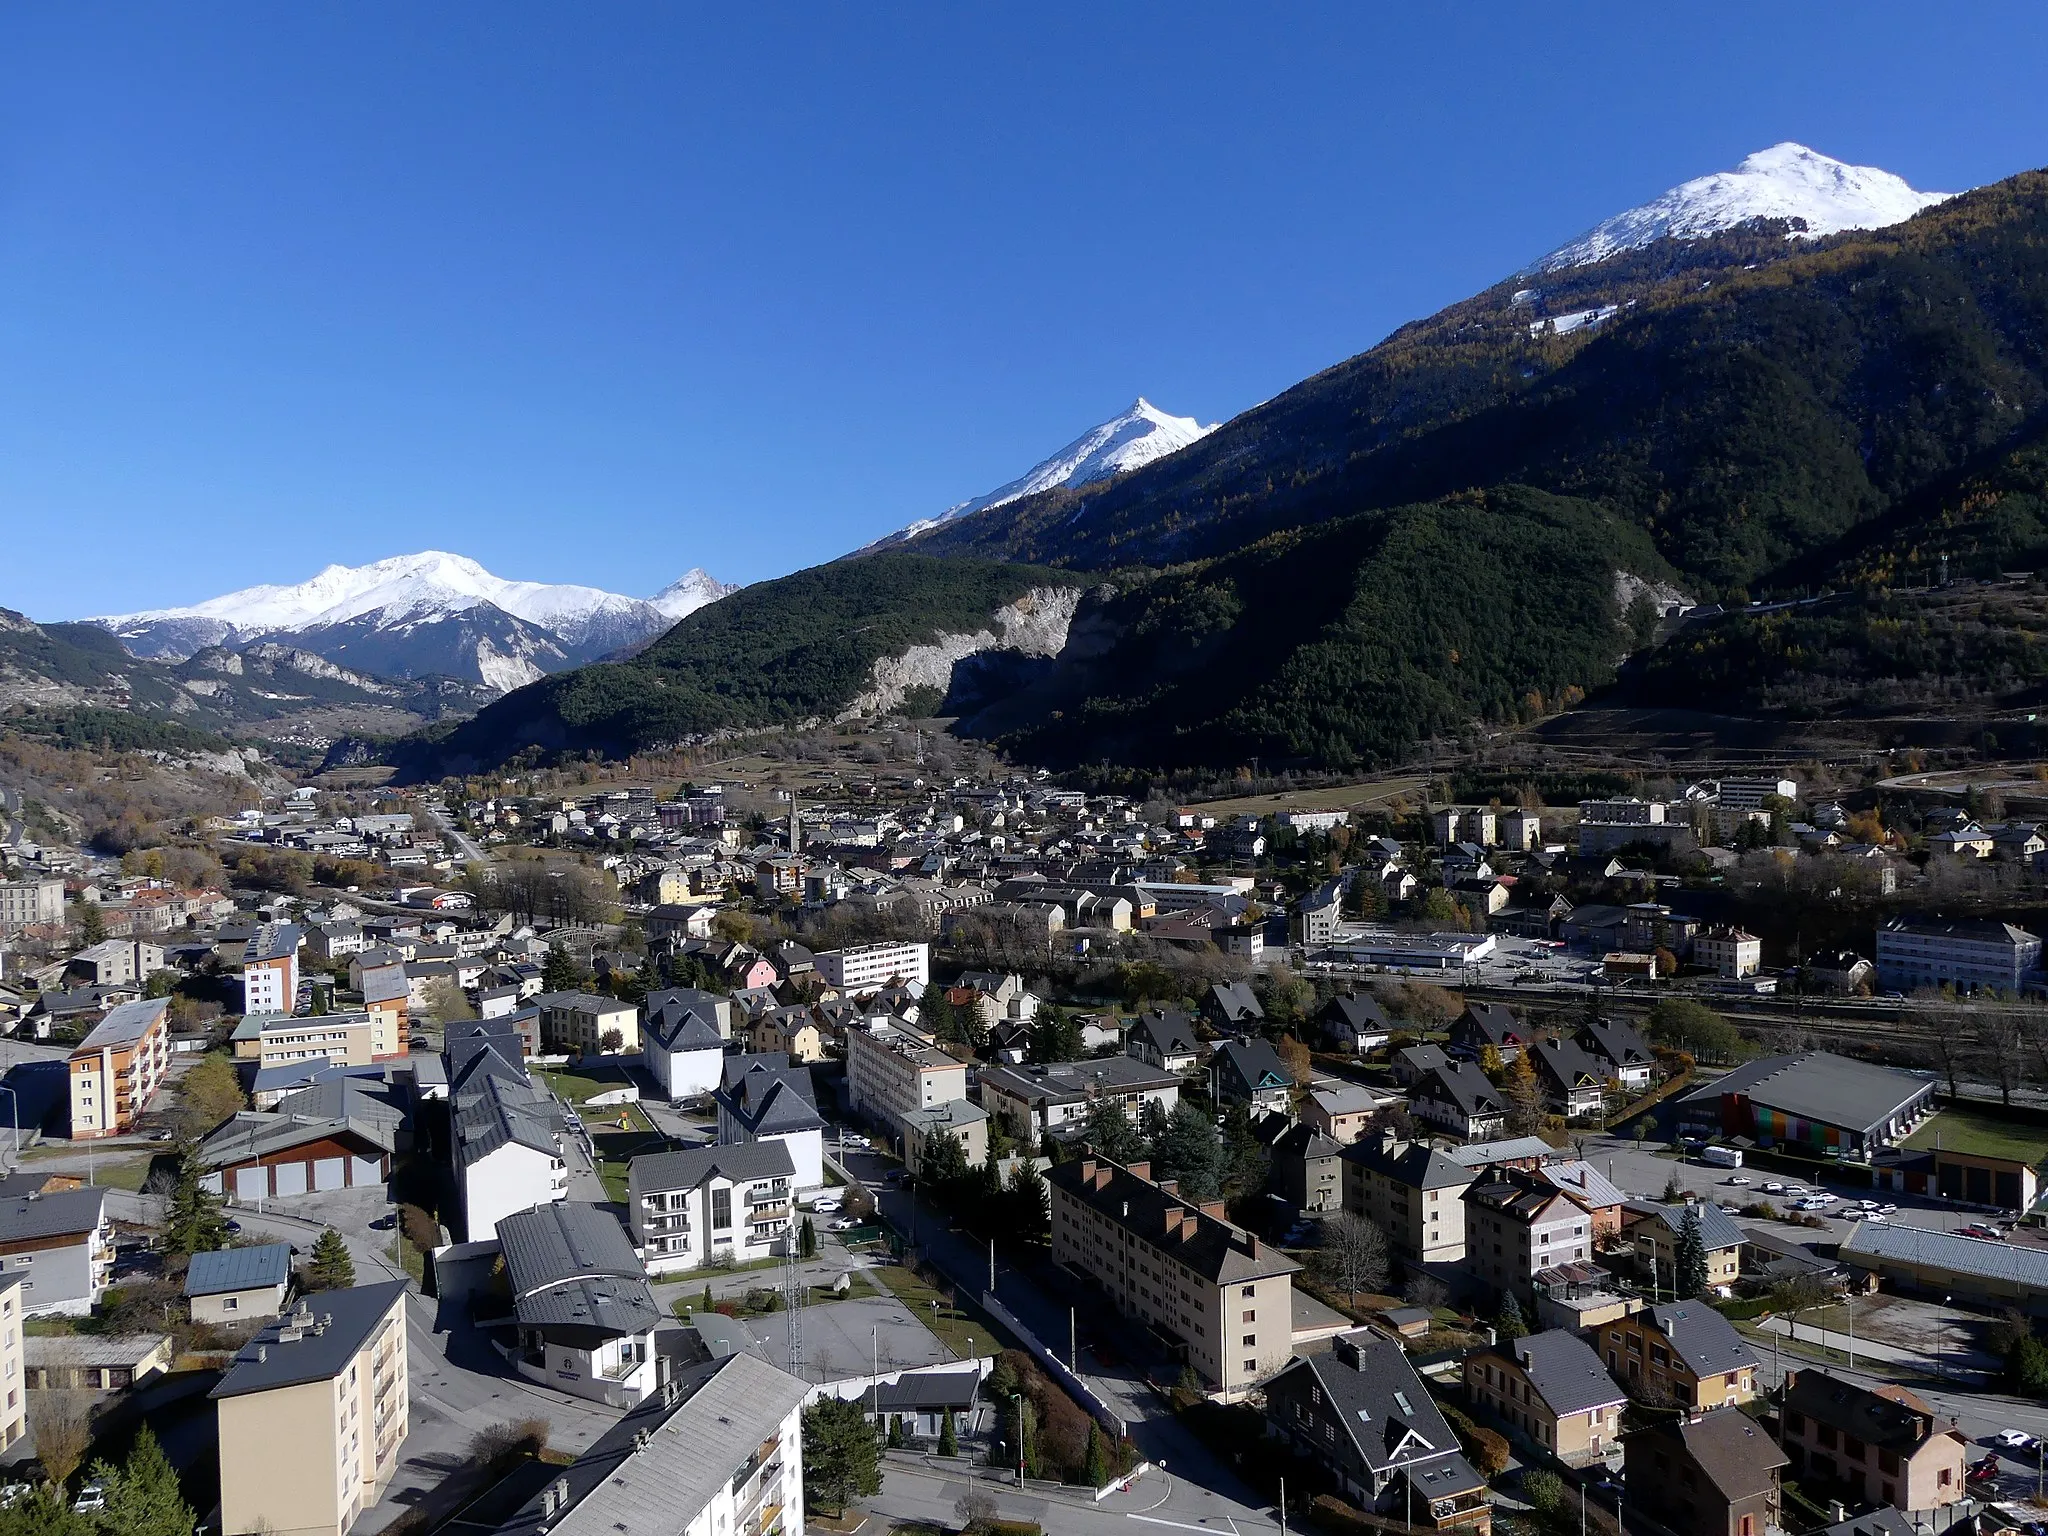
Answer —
598 294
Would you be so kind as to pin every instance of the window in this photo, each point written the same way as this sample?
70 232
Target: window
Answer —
1251 1367
230 1303
721 1207
1250 1315
1248 1291
1251 1341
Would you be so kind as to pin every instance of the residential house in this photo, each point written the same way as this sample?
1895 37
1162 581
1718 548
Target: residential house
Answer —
1341 1111
94 1362
1363 1415
1682 1354
1550 1386
1627 1056
1573 1080
683 1043
236 1284
581 1021
1224 1297
1591 1190
1165 1039
1517 1226
718 1449
1414 1062
1354 1025
1232 1007
506 1131
1654 1230
1457 1097
965 1121
922 1401
710 1205
790 1031
1412 1192
1714 1475
586 1318
770 1098
312 1414
1488 1024
1251 1072
1055 1098
1730 951
1307 1169
1882 1444
116 1069
62 1245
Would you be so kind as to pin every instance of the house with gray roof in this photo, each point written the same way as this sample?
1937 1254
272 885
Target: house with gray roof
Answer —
1053 1098
1364 1416
1251 1072
1655 1229
1550 1388
708 1205
238 1283
1233 1007
768 1097
1166 1039
586 1318
505 1130
1573 1080
1354 1025
717 1448
683 1040
63 1243
1457 1098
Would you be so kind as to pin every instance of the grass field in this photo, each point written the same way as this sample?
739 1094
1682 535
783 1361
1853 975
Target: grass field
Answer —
1981 1136
1338 797
617 1148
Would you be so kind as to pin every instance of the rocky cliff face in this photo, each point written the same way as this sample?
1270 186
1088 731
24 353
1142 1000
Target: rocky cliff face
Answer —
1035 625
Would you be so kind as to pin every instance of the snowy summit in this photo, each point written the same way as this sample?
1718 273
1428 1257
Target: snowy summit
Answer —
1786 181
1125 442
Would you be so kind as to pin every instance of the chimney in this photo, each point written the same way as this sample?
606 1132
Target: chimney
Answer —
1253 1240
1142 1169
1215 1208
1169 1186
1087 1170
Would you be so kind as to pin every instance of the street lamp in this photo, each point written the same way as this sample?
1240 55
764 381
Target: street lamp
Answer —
1018 1399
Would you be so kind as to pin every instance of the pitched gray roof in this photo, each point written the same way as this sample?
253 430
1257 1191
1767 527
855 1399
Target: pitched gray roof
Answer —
1168 1033
928 1390
1704 1339
689 1169
1253 1063
574 1273
313 1342
1563 1368
1717 1227
61 1213
1392 1420
1819 1086
1414 1163
239 1269
125 1023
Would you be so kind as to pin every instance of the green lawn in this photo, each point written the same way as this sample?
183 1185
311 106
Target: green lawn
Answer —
958 1332
616 1148
1981 1136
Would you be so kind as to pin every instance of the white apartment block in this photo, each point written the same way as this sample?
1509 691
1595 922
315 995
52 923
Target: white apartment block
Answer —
1965 955
1730 951
1750 794
870 967
891 1070
1517 1227
710 1204
270 969
23 902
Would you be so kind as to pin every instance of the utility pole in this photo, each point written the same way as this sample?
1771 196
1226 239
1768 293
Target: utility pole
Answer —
1018 1399
1073 1343
1283 1507
991 1266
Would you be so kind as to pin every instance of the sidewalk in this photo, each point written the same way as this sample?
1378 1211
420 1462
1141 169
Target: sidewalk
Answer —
1958 1365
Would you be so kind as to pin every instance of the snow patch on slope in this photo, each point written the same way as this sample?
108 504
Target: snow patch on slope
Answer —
1786 181
692 590
1036 624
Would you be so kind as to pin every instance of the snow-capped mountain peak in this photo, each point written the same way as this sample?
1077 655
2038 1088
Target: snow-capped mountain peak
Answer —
1786 181
464 617
1129 440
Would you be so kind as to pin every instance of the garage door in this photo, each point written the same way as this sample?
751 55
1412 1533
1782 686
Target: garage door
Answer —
330 1173
211 1184
364 1170
252 1183
291 1179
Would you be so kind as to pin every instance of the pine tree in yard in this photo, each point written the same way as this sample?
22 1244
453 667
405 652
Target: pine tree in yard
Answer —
330 1268
895 1431
807 1240
1690 1259
143 1498
842 1457
193 1222
1509 1324
949 1437
705 1304
1673 1190
558 972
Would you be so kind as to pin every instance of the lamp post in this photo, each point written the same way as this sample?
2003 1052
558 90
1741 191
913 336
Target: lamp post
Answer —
1018 1399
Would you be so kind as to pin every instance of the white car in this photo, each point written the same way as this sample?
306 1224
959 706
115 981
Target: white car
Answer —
2013 1440
92 1498
827 1206
1870 1205
1773 1187
1887 1210
1739 1179
843 1224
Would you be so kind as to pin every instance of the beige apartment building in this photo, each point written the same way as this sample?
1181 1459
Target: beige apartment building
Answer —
1413 1193
1884 1444
342 1039
892 1070
1551 1387
312 1414
23 902
13 1376
1225 1296
117 1069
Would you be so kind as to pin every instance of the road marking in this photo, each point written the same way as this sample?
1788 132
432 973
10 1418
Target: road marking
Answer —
1179 1525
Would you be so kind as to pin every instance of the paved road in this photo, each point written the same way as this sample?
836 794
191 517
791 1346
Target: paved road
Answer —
466 847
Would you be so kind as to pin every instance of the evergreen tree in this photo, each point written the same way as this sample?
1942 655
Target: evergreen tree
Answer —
2026 1367
1509 1324
1054 1036
1187 1148
330 1268
842 1457
949 1437
705 1304
44 1511
1673 1190
143 1498
807 1240
895 1431
193 1222
1098 1456
1025 1198
1109 1131
558 972
92 923
942 1165
1245 1161
1690 1259
1151 1124
936 1014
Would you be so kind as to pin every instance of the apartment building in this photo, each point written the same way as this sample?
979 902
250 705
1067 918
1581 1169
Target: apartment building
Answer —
892 1069
1224 1296
13 1372
1881 1444
1516 1227
270 968
710 1204
1413 1192
1967 955
387 997
1732 952
507 1152
717 1451
115 962
342 1039
579 1021
870 967
23 902
1054 1098
312 1414
966 1122
1654 1229
1713 1474
579 1291
61 1243
1551 1387
1683 1354
770 1098
117 1069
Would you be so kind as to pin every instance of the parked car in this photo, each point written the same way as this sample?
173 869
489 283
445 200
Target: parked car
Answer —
1773 1187
2014 1440
1989 1234
1983 1471
92 1498
1739 1179
827 1205
842 1223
